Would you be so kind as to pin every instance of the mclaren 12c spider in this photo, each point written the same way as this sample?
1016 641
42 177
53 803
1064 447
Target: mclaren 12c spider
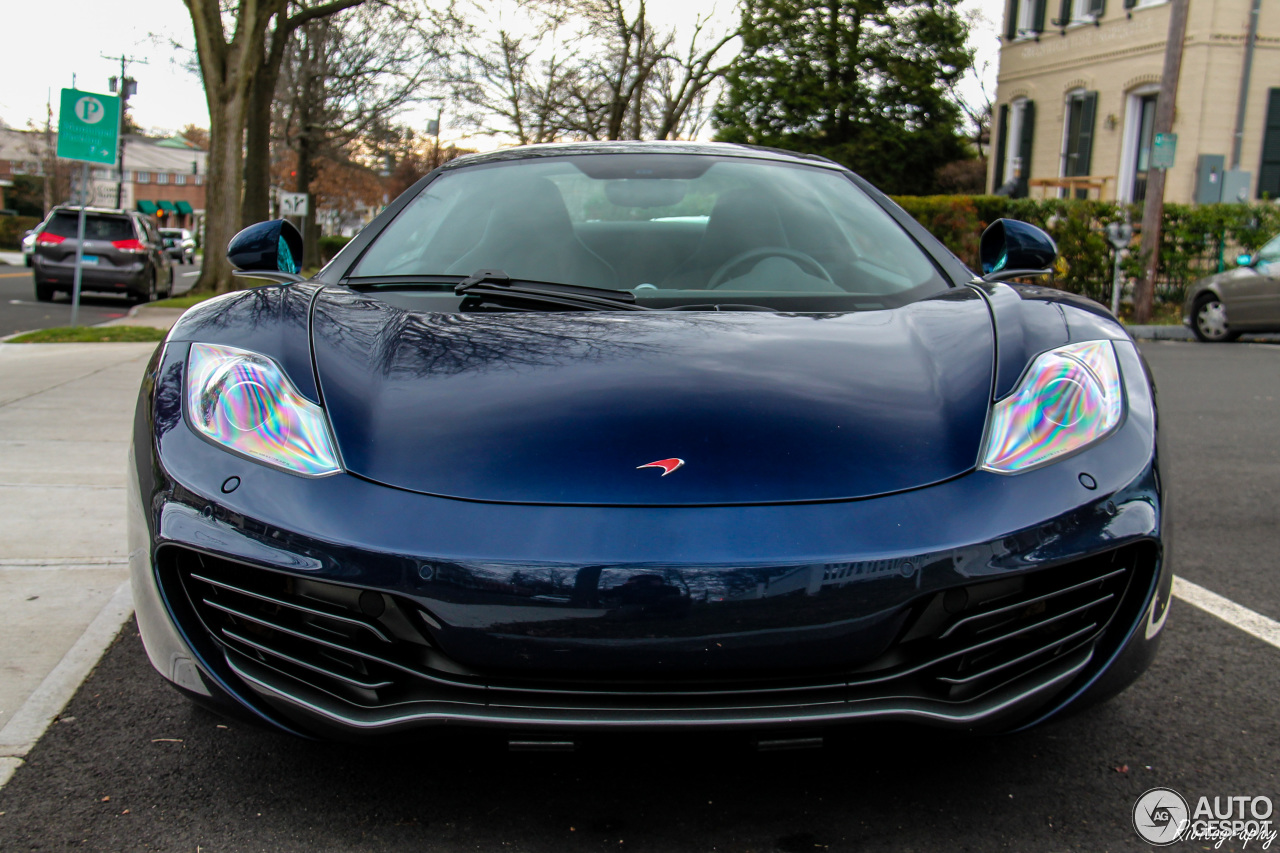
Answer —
647 436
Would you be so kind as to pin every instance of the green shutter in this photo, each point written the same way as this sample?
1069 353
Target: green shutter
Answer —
1042 6
1002 147
1024 145
1269 171
1064 14
1011 20
1097 8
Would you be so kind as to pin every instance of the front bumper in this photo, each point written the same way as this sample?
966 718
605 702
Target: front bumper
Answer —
337 606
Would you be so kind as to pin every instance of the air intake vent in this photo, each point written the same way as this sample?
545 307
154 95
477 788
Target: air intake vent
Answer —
371 650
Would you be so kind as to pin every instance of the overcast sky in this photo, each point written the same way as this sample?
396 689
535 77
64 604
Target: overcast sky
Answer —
43 55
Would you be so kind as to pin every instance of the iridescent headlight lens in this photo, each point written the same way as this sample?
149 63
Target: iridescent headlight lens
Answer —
1069 399
245 401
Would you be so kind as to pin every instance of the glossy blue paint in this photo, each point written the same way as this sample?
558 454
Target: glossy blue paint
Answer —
562 407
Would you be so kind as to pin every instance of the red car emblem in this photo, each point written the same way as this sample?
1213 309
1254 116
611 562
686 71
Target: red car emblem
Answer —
667 465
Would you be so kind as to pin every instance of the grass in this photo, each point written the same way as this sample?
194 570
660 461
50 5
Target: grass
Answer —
184 301
91 335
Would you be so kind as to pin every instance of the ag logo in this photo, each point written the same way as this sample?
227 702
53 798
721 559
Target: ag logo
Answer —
1160 816
89 110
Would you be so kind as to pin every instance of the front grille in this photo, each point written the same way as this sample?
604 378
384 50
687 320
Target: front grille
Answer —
371 650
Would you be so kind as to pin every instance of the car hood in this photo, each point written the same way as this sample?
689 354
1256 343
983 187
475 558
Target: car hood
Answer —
564 407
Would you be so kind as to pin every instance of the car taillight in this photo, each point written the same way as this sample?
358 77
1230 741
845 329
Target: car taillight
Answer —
129 245
48 239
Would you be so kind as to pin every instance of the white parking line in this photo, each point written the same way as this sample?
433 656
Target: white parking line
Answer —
1254 624
189 274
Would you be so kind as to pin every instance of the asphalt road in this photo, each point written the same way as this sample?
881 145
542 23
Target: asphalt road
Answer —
131 766
20 312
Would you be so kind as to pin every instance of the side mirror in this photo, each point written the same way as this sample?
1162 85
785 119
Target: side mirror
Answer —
1244 260
270 250
1013 249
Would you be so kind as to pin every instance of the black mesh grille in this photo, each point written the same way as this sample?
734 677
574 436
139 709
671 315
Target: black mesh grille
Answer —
374 650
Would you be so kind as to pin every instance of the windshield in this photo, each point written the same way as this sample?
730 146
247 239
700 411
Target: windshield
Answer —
96 226
657 225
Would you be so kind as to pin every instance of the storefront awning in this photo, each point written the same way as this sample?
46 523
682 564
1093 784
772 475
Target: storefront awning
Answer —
147 207
184 207
168 206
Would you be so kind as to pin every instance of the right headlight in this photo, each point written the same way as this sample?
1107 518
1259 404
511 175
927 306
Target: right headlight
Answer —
245 402
1068 400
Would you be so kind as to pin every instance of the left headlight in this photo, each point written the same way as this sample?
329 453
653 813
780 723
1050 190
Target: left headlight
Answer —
1069 399
245 402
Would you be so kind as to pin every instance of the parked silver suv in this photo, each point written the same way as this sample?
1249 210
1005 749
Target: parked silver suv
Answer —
123 253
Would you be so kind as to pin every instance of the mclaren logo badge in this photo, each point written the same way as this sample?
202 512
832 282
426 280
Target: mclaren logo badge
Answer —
667 465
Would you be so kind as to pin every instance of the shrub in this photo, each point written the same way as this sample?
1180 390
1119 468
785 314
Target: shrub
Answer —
330 245
1195 240
13 227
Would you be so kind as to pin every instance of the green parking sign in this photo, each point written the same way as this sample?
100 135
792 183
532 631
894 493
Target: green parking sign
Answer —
88 126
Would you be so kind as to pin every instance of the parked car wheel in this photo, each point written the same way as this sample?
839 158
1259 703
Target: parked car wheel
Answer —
1209 321
149 294
44 293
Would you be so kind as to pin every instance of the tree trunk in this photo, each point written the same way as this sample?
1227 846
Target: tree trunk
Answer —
224 180
257 147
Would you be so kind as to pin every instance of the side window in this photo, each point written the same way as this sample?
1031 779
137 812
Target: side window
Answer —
1270 253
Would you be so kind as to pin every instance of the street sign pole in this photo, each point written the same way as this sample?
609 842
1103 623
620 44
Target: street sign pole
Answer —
75 288
89 131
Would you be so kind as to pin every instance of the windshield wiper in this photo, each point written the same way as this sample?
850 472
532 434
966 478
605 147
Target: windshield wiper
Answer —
497 285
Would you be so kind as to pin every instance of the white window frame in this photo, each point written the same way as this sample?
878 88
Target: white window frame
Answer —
179 178
142 177
162 177
1066 129
1025 10
1130 140
1013 138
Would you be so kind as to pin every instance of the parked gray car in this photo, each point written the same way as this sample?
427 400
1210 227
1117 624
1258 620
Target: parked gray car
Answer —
1245 299
180 245
123 253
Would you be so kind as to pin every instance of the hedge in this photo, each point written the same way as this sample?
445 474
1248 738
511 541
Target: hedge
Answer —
1197 240
13 227
330 245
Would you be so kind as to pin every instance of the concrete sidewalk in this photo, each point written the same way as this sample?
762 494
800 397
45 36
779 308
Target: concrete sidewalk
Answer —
65 417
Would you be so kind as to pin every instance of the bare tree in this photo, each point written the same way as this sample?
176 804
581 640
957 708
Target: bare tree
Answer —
231 47
344 78
589 69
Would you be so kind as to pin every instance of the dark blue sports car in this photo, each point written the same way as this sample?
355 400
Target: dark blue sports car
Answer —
640 436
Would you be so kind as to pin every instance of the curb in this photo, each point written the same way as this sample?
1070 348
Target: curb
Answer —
1161 333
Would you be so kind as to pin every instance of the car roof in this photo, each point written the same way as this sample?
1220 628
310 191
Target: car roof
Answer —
718 149
75 208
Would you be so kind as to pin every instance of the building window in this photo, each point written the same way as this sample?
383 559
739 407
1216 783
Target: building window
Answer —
1080 12
1015 134
142 177
1135 143
1025 18
179 178
1077 146
199 180
162 177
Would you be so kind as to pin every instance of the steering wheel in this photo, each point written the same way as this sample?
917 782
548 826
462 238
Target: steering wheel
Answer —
758 254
